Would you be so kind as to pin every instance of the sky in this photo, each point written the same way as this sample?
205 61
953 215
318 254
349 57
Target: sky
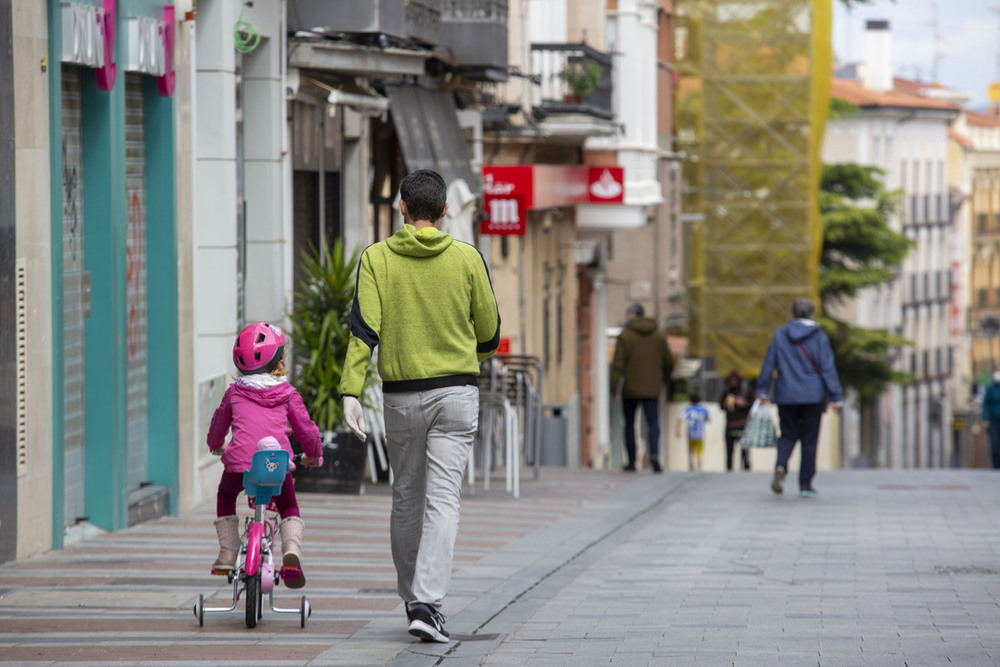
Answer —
967 43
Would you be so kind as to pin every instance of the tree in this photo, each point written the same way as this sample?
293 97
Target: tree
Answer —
859 250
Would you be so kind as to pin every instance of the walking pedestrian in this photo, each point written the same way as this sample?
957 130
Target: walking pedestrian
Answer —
735 402
806 379
695 416
642 365
426 300
991 417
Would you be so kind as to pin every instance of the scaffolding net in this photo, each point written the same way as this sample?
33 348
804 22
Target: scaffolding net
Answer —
752 100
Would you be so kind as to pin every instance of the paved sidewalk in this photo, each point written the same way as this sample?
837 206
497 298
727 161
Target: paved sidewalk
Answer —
587 568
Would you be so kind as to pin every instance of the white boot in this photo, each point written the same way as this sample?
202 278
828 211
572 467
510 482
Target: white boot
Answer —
228 529
291 548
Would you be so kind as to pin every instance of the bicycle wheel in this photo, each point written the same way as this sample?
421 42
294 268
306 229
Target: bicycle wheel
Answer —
253 599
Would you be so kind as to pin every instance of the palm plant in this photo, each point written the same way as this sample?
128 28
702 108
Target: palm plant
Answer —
321 329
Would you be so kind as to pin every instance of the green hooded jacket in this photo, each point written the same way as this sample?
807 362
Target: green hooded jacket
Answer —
642 363
426 300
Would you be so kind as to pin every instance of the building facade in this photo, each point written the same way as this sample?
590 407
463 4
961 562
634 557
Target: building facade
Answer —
902 128
975 146
94 239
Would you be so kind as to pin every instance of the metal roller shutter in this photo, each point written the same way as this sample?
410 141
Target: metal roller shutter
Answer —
75 299
135 248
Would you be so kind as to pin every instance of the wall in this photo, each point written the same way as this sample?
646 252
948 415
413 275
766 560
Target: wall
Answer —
34 483
188 495
10 296
216 240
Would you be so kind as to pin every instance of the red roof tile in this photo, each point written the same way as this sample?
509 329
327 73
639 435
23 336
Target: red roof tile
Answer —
976 119
856 94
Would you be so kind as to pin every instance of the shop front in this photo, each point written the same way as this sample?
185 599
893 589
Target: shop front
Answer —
538 267
114 275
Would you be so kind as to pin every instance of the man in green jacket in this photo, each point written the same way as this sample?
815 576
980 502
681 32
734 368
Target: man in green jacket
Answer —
642 365
426 300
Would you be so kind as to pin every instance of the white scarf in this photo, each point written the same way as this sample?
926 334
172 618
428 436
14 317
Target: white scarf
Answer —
260 380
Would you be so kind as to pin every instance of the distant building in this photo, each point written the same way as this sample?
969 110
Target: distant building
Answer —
902 128
975 162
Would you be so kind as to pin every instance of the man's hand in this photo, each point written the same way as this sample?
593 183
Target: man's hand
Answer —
836 407
354 415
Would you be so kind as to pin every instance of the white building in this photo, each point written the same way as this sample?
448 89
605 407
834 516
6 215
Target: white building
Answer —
902 128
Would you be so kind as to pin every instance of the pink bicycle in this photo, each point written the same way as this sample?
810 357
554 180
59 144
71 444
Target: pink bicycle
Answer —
255 573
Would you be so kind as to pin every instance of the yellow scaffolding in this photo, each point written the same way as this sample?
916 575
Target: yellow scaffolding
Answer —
752 99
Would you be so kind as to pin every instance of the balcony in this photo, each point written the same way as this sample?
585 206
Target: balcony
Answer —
475 32
573 79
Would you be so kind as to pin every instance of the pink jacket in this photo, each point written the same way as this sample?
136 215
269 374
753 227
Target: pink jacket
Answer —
254 413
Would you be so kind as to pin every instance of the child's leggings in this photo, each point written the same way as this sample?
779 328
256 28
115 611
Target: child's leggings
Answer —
232 483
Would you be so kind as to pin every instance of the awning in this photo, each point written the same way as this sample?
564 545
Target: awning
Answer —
429 134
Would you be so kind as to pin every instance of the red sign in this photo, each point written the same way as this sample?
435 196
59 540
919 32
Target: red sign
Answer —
504 204
607 185
510 191
504 347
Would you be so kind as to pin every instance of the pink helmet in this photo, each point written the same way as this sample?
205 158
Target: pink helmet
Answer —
259 347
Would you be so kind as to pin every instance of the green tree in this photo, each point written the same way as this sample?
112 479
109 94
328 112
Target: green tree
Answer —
859 250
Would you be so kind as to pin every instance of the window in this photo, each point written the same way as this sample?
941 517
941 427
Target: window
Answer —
982 223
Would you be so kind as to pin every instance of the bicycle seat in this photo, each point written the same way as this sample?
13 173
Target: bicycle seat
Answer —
263 480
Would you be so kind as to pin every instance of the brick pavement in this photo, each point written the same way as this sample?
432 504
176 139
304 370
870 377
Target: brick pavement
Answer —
884 568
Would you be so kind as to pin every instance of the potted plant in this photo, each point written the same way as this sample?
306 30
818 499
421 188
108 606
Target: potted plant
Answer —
582 77
320 331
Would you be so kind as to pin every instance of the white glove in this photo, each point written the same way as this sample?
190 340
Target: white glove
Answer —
354 415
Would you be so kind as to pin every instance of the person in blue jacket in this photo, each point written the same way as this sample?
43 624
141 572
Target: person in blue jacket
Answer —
991 417
806 379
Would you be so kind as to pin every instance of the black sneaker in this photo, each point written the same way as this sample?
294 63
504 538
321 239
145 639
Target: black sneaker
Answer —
427 623
630 467
655 465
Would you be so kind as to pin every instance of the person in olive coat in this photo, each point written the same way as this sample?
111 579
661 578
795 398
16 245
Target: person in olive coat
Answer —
642 366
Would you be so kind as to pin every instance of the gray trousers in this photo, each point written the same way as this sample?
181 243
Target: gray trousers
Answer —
429 436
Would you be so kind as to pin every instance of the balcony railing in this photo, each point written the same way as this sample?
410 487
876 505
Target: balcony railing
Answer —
476 33
494 10
573 78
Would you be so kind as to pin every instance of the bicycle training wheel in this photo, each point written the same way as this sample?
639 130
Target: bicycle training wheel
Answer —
253 600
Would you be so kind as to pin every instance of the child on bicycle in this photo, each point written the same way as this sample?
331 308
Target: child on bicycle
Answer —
260 404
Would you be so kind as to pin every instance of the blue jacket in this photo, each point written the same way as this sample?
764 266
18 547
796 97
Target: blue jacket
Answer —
991 403
801 379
